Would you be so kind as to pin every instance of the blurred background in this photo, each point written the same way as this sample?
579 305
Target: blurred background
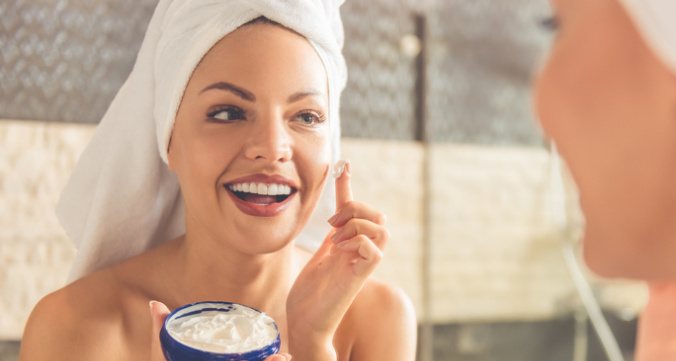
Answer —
437 120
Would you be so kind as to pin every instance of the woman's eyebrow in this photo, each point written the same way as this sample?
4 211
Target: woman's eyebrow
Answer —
304 94
240 92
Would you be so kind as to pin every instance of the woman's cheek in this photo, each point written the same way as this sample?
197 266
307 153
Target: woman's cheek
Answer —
321 162
316 159
554 97
319 148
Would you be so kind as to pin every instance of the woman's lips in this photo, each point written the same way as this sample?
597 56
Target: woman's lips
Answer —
261 210
261 195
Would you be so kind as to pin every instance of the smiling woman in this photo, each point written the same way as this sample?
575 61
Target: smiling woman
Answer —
205 202
260 123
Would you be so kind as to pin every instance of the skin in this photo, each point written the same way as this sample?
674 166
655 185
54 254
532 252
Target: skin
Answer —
326 305
656 338
609 104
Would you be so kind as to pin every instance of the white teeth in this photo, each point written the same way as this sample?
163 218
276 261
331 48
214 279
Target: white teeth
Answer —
261 188
272 190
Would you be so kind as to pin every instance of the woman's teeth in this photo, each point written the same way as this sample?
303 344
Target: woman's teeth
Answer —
261 188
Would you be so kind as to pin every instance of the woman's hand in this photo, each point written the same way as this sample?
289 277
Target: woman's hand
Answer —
326 287
656 339
159 312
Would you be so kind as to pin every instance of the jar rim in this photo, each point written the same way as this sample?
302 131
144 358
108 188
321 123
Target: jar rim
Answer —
175 350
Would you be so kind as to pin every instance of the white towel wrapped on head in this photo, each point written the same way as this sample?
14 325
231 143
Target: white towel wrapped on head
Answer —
121 198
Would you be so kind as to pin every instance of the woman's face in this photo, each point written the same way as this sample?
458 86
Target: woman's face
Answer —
609 105
250 143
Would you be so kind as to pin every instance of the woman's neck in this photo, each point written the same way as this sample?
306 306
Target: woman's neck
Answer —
208 270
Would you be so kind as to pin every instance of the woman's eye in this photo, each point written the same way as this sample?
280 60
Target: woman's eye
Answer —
309 118
550 24
226 114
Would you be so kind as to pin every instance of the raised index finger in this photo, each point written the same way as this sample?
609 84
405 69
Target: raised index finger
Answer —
343 187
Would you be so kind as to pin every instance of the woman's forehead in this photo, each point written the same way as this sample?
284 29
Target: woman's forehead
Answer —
261 53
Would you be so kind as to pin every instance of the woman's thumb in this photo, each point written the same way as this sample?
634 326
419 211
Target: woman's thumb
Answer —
158 313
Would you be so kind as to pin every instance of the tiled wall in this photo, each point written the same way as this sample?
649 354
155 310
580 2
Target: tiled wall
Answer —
35 161
493 255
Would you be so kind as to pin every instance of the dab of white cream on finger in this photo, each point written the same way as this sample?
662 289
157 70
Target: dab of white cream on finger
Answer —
339 168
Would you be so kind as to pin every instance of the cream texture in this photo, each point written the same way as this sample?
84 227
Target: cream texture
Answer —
339 168
238 331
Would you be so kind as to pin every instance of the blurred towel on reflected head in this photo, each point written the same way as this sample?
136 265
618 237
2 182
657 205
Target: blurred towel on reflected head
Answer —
122 199
656 21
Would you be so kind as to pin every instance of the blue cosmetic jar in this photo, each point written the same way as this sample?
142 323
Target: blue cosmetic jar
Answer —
175 350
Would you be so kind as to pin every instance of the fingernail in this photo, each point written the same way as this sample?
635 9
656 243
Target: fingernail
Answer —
151 303
333 219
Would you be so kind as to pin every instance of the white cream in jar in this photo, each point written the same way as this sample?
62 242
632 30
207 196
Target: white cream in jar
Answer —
238 329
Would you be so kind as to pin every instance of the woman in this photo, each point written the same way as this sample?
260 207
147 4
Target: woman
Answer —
607 98
244 97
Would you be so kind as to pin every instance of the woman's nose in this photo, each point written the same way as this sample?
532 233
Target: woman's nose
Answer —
269 140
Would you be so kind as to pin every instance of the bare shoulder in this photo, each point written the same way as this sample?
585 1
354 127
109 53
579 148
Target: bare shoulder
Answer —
103 316
384 310
77 322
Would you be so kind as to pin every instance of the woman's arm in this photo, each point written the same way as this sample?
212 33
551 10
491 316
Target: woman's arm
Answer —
387 324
